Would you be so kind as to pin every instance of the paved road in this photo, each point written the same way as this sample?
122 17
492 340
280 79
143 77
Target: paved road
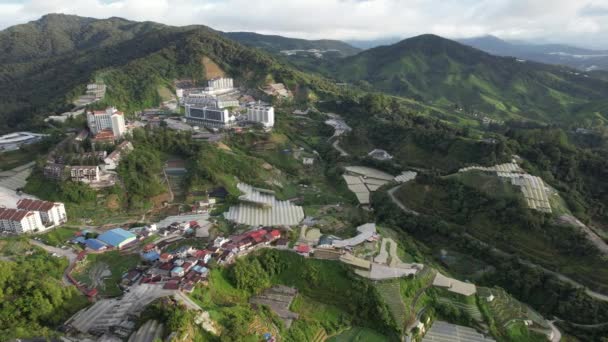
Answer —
67 253
391 194
557 335
343 153
189 302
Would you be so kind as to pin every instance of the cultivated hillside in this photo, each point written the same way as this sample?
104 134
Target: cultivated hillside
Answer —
443 72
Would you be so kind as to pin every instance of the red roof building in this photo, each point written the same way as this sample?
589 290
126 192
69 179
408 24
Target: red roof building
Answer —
149 247
303 249
105 135
165 257
171 285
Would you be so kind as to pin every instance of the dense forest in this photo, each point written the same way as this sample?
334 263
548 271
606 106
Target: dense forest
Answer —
33 299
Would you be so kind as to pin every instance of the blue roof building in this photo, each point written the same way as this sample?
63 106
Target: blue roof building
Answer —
200 269
95 244
151 256
177 271
79 239
117 237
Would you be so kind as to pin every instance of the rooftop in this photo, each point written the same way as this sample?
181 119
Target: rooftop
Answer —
116 236
35 205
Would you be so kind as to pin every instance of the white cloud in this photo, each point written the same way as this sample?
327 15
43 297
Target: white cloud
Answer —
582 21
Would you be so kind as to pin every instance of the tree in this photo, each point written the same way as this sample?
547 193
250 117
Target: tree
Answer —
249 275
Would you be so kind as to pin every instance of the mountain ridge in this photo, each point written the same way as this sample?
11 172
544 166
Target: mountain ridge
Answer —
433 69
133 63
276 43
559 54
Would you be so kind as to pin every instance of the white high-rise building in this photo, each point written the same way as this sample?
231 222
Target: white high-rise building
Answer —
220 83
209 117
109 119
118 124
20 221
261 114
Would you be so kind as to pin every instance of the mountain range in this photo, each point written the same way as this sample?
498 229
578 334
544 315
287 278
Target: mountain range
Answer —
575 57
46 63
276 44
442 72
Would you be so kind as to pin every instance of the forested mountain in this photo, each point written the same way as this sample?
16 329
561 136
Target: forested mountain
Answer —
56 34
273 43
133 59
575 57
443 72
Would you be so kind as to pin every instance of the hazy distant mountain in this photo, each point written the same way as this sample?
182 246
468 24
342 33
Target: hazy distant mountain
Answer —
433 69
276 44
579 58
372 43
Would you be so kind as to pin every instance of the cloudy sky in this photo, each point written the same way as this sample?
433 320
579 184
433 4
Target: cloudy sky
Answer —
580 22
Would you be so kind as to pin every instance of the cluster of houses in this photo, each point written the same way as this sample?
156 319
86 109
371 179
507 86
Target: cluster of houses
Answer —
96 175
185 266
32 215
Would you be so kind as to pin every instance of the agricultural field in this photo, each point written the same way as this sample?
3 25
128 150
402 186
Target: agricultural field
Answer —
105 271
358 334
506 310
390 291
468 304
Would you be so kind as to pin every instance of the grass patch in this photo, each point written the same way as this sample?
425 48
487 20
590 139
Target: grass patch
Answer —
117 263
58 236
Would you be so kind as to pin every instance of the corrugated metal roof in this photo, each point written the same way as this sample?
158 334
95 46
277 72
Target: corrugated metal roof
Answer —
116 237
95 244
274 212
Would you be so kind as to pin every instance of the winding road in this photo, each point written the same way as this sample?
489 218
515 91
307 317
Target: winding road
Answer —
391 194
68 253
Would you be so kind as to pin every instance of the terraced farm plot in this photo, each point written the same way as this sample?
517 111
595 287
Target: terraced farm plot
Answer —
391 294
470 307
507 309
359 335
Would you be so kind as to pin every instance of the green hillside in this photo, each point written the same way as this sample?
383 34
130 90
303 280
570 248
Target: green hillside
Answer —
57 34
133 62
435 70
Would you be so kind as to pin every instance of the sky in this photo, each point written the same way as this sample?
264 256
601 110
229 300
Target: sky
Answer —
578 22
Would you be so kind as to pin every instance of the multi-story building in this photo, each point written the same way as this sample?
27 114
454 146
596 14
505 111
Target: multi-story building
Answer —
209 117
261 114
212 101
109 119
96 90
52 214
118 124
84 173
55 171
20 221
220 83
113 158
